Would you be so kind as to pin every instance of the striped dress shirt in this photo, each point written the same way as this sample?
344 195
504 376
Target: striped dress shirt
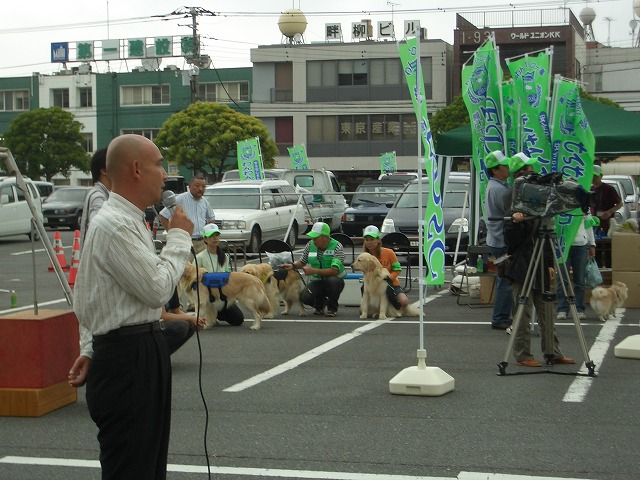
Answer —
121 280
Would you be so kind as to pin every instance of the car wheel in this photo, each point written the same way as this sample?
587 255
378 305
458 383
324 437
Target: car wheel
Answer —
34 235
255 241
293 235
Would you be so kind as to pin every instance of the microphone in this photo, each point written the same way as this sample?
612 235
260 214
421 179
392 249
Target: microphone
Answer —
169 200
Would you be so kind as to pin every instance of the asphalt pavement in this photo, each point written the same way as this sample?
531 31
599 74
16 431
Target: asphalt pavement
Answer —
308 397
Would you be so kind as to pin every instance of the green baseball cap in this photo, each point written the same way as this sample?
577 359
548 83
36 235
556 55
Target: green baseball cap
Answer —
371 231
319 229
495 159
209 229
520 160
597 170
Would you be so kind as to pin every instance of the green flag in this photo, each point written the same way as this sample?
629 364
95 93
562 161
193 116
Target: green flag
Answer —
511 106
298 156
388 162
482 94
433 245
250 159
531 77
573 147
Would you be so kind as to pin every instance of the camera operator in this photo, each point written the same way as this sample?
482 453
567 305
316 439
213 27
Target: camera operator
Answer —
520 236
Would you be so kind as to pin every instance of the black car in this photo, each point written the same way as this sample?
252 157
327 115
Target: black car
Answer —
370 204
403 216
63 208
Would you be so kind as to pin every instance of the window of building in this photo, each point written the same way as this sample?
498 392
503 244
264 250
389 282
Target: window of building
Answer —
321 129
385 71
150 133
353 72
362 128
597 77
88 142
225 92
60 97
84 97
12 100
145 95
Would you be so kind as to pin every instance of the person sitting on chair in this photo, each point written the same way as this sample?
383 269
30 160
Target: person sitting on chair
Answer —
373 245
323 261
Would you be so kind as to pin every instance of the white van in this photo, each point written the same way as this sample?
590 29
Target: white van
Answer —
15 215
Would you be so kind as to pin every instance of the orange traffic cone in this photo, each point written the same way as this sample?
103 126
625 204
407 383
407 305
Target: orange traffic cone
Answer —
59 251
76 236
75 261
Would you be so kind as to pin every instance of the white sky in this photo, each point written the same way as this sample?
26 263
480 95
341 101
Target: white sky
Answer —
29 26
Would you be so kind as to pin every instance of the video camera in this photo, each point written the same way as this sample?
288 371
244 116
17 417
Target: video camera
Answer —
548 195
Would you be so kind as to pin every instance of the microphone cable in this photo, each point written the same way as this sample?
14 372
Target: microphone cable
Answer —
204 400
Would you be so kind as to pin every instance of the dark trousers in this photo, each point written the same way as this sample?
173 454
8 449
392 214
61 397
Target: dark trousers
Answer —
129 399
323 292
176 333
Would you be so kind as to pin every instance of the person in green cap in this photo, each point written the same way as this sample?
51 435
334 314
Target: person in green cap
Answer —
498 205
520 236
323 262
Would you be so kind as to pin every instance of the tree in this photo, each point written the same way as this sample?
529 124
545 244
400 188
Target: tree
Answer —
451 116
205 134
47 141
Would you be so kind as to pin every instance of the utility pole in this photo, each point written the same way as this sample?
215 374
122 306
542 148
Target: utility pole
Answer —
195 59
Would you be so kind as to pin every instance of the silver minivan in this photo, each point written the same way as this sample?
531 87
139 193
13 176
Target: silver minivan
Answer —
15 214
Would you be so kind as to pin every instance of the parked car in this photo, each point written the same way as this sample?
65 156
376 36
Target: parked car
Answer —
256 210
371 203
15 214
45 188
403 216
623 213
63 208
631 194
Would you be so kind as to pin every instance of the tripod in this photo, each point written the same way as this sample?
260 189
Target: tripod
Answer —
546 236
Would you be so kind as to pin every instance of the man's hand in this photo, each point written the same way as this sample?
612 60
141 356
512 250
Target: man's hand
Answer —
78 373
308 271
180 220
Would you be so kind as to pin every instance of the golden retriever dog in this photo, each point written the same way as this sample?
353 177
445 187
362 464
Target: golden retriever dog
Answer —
241 287
289 289
604 301
374 298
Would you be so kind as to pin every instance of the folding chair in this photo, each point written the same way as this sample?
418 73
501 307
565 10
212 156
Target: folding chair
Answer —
346 242
473 251
274 246
400 244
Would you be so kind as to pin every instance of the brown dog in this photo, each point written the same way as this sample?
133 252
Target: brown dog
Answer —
290 289
241 287
374 298
605 300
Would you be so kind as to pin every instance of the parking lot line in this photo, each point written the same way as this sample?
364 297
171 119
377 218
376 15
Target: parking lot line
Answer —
580 386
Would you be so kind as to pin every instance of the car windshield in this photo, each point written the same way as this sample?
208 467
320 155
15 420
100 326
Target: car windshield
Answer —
627 184
67 195
234 198
368 195
453 197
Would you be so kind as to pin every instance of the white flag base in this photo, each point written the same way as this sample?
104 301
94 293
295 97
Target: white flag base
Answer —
421 380
628 348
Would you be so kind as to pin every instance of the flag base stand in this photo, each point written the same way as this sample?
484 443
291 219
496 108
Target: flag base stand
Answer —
421 380
628 348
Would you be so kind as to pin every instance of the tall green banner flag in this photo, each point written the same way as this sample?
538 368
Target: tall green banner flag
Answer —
531 77
433 246
250 159
298 156
511 109
481 91
573 147
388 162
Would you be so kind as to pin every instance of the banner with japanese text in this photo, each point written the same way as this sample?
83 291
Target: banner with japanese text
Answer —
388 162
250 159
531 77
298 156
433 241
482 94
573 152
511 110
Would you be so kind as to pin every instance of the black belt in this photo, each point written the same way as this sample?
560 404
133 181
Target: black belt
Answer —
131 330
197 239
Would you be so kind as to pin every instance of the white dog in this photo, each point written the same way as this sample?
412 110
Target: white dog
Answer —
374 298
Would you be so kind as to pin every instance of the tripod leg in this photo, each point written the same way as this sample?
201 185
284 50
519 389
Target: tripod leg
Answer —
569 293
524 295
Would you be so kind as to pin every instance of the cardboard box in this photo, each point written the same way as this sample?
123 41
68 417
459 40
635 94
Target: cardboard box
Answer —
632 281
625 252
